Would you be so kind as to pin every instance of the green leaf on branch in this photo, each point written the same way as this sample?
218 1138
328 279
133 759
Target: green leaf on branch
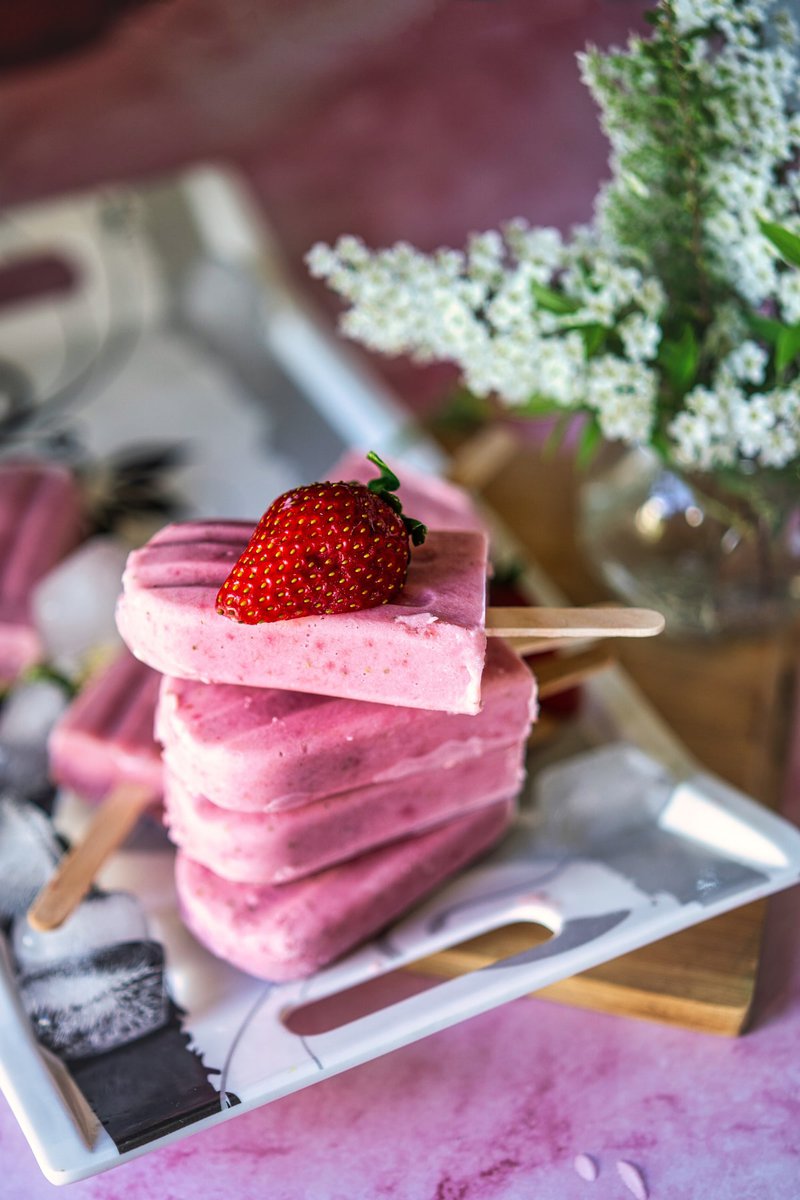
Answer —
785 242
461 411
553 441
679 359
593 334
552 301
787 347
768 329
588 443
45 673
784 338
661 444
538 406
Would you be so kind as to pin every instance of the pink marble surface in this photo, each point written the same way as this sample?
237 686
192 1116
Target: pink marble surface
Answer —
422 120
498 1108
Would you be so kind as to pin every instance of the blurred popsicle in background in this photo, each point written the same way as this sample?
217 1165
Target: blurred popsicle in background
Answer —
103 748
41 520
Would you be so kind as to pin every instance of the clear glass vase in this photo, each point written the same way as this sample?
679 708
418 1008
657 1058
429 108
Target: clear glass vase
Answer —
716 555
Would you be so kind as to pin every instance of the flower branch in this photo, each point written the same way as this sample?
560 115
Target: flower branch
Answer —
673 319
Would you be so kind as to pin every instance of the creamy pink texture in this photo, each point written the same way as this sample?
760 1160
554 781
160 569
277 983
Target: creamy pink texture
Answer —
167 617
262 749
290 931
106 735
40 522
278 847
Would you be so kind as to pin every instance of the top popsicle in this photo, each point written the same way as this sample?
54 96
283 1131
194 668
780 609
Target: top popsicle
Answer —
325 597
409 629
424 649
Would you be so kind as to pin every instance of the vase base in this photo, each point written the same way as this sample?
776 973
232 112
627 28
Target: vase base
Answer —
702 558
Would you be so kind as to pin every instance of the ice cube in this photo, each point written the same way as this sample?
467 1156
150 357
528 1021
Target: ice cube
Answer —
29 850
74 604
24 770
30 712
85 1006
26 719
103 919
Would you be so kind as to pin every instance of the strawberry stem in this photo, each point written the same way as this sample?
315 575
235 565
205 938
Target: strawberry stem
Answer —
385 486
387 481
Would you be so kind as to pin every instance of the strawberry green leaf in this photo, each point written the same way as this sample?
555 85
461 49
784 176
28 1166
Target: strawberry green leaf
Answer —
415 530
387 481
385 486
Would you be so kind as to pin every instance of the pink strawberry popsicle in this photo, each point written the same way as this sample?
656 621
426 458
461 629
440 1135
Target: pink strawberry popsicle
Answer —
105 737
266 750
279 847
424 649
41 520
292 930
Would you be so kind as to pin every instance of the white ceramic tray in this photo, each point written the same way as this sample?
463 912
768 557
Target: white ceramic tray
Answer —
620 843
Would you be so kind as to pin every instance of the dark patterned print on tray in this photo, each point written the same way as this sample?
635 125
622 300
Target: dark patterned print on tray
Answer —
150 1087
96 994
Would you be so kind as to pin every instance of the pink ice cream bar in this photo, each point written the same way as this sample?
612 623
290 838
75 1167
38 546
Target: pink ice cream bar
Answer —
293 930
282 846
106 735
435 502
41 520
264 750
425 650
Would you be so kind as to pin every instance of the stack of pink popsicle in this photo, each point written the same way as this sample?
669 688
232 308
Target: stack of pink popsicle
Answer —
306 822
323 774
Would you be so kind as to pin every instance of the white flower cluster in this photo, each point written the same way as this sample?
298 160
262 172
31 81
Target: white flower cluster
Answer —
752 92
751 129
480 310
594 323
731 420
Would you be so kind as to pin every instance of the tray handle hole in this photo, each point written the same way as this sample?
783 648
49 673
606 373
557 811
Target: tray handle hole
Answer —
372 995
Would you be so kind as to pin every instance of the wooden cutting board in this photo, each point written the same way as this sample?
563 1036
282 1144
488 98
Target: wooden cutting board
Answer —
729 703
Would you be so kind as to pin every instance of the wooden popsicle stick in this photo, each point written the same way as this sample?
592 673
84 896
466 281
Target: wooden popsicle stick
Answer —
86 1119
539 645
75 874
588 623
556 675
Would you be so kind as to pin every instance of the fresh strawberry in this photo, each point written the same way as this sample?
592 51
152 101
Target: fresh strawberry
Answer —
324 548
